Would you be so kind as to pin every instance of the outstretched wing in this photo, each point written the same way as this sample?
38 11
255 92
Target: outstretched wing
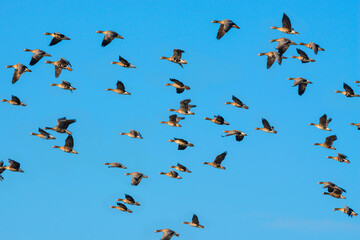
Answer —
302 53
266 124
120 86
236 100
195 219
69 142
177 54
220 158
286 21
348 89
177 82
123 60
329 140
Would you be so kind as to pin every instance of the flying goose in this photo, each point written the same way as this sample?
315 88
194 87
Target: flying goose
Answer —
19 70
61 125
194 222
167 234
57 37
356 124
171 174
123 63
225 26
182 143
60 65
347 211
218 120
239 135
286 26
136 177
267 128
271 56
315 47
121 207
13 166
133 134
120 89
176 57
173 121
69 144
349 92
303 56
109 36
14 101
184 108
181 168
340 158
333 190
237 103
115 165
328 142
302 83
129 200
64 85
323 123
180 87
283 44
37 55
217 162
43 134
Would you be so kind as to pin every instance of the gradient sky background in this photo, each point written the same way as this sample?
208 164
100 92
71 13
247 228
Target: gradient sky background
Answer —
269 188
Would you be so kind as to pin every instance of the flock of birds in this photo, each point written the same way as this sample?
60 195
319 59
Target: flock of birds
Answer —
184 109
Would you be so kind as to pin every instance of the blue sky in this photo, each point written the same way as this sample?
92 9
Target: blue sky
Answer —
269 188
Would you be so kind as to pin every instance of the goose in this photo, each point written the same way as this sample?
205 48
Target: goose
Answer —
69 144
115 165
271 56
349 92
176 57
136 177
356 124
303 56
328 184
181 168
340 158
323 123
184 108
14 101
167 234
225 26
129 200
171 174
120 89
64 85
173 121
267 128
302 83
123 63
37 55
328 142
218 120
283 44
286 26
1 170
315 47
347 211
133 134
217 162
194 222
121 207
182 143
333 190
239 135
43 134
13 166
237 103
109 36
180 87
60 65
61 125
57 37
19 70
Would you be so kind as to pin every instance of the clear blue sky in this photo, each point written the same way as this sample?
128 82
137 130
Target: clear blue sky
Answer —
269 188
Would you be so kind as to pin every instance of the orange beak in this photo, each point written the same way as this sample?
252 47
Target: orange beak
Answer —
69 68
235 26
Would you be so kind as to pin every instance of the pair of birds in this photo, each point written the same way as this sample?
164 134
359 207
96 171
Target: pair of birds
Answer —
168 233
128 200
174 174
13 166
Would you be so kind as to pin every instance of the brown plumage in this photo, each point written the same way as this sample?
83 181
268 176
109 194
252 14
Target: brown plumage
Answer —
176 57
60 65
303 56
19 70
182 144
225 26
349 92
37 55
286 26
267 128
328 142
61 125
315 47
14 101
237 103
340 158
218 120
57 37
323 123
217 162
271 56
120 89
109 36
68 147
194 222
123 63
